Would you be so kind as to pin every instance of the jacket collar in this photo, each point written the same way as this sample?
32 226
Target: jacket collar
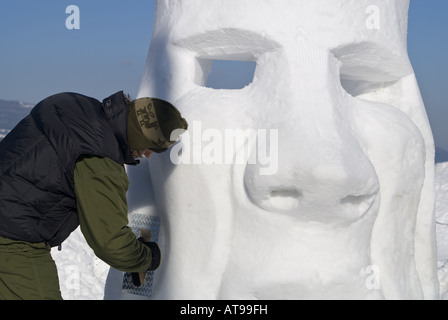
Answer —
116 111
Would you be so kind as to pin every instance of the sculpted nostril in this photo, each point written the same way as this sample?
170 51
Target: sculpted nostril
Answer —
282 199
357 200
286 193
358 205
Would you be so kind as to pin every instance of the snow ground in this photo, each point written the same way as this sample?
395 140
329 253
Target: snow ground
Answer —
82 276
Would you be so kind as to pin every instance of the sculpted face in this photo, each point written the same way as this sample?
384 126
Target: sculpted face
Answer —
315 180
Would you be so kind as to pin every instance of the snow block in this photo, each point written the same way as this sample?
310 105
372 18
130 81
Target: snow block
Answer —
346 209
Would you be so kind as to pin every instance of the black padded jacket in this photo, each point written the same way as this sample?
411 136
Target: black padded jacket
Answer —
38 157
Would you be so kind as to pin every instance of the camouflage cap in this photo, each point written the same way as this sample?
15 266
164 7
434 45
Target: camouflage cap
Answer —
151 122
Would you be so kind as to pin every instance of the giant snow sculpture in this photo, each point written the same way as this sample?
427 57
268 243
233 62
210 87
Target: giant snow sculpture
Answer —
314 181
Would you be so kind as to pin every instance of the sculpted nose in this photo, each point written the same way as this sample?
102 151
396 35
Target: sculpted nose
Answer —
312 187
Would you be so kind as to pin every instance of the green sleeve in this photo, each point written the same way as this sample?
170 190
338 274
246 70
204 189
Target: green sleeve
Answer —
100 189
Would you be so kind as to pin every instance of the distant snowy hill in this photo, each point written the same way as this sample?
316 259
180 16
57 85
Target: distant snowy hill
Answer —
11 112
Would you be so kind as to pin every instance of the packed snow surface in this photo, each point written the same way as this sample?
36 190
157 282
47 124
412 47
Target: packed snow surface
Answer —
84 277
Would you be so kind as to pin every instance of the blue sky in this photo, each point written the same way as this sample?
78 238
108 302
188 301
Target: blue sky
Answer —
39 56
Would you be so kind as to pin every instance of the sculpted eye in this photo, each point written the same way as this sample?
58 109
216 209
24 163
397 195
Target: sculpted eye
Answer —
370 72
230 74
226 58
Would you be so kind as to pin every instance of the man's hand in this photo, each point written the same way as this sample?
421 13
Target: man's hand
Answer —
138 278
